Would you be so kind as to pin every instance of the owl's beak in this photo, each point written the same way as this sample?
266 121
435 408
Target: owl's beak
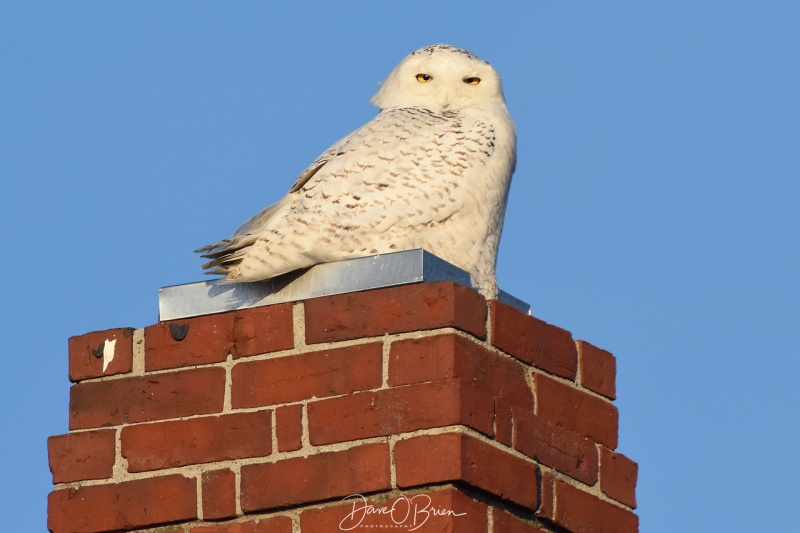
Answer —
446 100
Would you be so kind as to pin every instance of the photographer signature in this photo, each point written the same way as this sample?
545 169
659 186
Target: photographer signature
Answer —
412 513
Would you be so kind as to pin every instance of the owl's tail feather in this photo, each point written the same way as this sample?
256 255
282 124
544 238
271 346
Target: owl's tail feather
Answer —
225 254
228 253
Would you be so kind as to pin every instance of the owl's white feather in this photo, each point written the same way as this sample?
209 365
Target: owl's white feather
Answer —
432 170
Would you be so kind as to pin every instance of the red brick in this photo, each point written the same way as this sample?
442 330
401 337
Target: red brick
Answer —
86 354
557 447
454 457
439 511
507 523
300 377
263 330
209 339
123 506
80 456
598 369
189 341
399 410
299 480
289 427
276 524
546 496
395 310
197 440
618 476
143 399
547 347
578 411
450 355
219 494
582 512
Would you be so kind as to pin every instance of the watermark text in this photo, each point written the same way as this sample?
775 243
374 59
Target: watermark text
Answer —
409 513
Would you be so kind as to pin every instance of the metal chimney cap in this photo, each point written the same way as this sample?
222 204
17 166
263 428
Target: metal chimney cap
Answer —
352 275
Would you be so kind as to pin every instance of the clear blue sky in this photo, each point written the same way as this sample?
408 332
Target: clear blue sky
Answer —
654 211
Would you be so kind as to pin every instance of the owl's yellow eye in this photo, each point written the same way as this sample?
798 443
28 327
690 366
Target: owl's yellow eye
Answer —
473 80
424 78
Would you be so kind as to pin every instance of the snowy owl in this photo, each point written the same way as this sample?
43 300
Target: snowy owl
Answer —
432 170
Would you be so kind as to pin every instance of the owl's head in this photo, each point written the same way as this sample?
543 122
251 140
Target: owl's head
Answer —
440 78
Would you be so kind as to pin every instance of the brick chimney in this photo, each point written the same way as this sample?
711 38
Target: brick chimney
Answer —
420 407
